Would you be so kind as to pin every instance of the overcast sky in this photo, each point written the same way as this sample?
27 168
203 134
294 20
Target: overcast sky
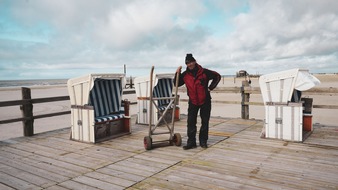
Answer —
52 39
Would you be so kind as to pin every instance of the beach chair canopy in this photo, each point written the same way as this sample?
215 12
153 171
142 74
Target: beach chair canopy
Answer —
102 91
280 86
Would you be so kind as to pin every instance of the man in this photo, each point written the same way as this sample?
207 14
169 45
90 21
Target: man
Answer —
196 79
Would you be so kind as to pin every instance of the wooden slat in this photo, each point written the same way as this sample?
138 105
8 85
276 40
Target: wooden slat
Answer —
35 117
16 183
326 106
70 184
33 101
100 184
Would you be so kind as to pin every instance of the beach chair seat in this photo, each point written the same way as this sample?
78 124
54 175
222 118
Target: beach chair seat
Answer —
98 111
110 117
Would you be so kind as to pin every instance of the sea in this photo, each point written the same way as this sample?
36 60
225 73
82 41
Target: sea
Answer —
30 83
47 82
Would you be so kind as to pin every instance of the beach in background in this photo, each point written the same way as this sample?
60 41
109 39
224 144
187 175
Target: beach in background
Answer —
53 88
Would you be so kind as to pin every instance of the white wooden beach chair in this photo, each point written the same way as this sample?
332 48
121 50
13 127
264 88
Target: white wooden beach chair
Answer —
284 115
98 112
162 89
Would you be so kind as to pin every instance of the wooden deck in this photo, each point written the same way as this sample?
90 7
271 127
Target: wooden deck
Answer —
237 158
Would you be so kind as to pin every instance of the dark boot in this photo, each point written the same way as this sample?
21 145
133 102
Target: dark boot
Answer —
204 144
189 146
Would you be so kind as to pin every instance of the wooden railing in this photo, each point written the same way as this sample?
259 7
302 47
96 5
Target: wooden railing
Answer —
26 107
26 104
246 90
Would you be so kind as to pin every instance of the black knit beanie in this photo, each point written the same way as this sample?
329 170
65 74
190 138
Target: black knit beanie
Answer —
189 58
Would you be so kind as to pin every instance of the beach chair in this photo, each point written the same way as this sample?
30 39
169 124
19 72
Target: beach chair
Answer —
98 112
162 90
285 116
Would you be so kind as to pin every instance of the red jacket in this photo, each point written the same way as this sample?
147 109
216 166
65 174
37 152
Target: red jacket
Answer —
197 81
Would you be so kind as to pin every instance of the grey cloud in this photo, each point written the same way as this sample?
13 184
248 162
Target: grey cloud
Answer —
84 35
291 33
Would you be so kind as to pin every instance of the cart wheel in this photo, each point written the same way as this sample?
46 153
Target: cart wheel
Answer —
177 139
147 141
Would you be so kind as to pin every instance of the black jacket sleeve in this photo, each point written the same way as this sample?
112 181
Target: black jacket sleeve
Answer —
181 81
214 76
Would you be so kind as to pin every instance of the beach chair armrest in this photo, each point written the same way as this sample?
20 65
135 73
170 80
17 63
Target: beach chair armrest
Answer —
126 105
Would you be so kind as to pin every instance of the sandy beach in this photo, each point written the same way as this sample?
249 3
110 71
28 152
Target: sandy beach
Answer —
321 116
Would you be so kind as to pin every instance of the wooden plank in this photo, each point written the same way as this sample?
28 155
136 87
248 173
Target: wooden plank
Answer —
68 169
158 183
230 180
56 187
13 153
34 101
325 106
121 174
38 149
16 183
34 169
61 144
27 176
296 154
134 171
110 179
138 166
76 185
155 158
97 183
282 159
223 134
174 152
51 114
293 169
136 147
5 187
105 153
243 176
143 162
83 161
277 145
195 181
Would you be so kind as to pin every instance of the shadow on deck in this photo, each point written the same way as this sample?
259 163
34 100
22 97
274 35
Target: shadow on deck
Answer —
237 158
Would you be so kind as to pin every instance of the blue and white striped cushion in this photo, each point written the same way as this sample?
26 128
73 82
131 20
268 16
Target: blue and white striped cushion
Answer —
109 117
106 97
163 89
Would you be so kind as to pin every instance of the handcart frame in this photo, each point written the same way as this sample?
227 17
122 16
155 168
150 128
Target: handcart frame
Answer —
174 138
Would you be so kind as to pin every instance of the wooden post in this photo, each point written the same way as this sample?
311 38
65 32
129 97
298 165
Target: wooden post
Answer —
245 98
27 112
126 113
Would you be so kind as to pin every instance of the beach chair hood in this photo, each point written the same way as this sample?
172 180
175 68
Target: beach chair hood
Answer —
79 88
279 86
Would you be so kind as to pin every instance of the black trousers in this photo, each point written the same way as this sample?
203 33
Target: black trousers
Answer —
205 110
